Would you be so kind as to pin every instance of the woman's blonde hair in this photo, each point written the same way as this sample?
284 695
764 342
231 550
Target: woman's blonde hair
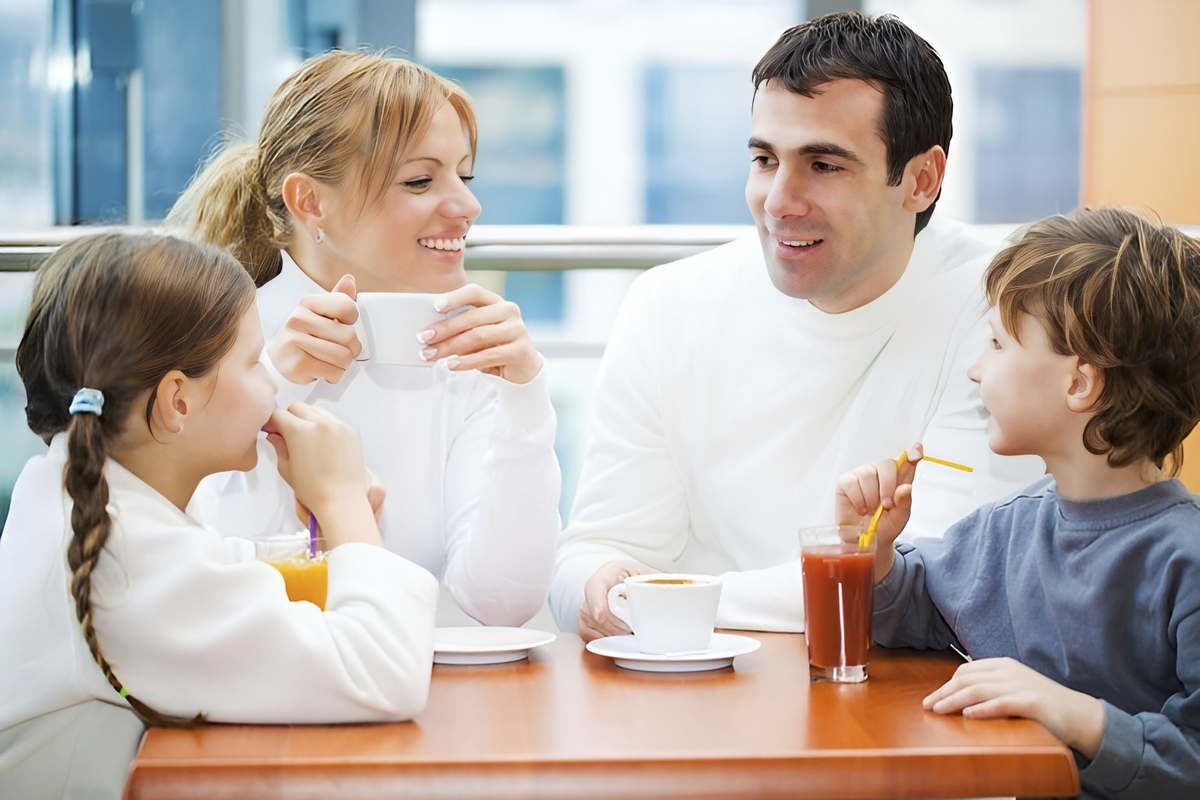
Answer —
341 116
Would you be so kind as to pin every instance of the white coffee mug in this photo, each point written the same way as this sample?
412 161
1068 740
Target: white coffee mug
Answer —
669 613
388 323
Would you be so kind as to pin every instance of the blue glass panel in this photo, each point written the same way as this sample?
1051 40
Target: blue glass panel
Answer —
181 62
1027 161
104 30
521 165
177 48
520 168
697 125
317 26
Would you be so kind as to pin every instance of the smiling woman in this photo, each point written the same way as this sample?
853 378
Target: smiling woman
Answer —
358 180
409 238
342 127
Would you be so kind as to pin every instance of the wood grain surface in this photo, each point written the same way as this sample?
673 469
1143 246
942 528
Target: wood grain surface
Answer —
567 723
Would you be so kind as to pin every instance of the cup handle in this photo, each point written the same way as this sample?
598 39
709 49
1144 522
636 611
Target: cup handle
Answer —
363 334
618 603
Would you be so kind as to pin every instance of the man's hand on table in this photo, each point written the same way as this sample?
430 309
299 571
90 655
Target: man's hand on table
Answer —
595 620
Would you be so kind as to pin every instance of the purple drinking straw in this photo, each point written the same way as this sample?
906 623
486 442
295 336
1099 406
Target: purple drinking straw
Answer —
312 534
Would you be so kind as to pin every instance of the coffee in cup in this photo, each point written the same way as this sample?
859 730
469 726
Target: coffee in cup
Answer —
670 614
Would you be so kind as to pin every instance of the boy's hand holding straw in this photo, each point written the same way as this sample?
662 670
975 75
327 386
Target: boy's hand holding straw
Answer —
884 488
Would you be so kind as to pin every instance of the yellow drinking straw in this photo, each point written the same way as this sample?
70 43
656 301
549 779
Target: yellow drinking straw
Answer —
941 461
865 538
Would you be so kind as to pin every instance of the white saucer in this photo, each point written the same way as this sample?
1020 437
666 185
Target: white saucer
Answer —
721 652
484 645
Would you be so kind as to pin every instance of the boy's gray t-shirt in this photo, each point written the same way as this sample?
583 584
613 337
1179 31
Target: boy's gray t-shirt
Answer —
1102 597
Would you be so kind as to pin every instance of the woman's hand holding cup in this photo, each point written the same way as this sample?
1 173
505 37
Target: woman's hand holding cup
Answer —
491 337
321 459
318 339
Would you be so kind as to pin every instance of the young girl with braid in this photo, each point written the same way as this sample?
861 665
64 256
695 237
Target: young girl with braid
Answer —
140 361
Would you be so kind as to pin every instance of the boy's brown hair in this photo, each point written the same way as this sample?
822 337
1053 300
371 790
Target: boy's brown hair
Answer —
1123 294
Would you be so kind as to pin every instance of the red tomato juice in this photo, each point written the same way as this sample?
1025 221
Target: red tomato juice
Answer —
839 589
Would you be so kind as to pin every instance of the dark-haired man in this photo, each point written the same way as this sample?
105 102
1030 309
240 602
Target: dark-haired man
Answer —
738 384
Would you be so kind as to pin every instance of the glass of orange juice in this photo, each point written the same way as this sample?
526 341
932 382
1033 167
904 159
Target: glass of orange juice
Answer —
305 574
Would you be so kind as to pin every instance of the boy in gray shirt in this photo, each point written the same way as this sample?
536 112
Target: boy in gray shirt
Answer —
1078 597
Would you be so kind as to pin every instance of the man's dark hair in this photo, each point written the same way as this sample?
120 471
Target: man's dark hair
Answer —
885 53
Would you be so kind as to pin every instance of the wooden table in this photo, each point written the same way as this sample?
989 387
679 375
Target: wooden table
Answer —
567 723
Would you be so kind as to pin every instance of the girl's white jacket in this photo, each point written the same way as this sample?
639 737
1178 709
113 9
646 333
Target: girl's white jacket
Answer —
191 624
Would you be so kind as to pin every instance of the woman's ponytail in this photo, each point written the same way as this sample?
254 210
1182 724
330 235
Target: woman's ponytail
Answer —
227 205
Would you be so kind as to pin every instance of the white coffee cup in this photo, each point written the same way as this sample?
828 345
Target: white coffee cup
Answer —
669 613
388 323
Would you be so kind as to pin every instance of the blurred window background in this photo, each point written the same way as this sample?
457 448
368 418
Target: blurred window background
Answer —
521 166
592 112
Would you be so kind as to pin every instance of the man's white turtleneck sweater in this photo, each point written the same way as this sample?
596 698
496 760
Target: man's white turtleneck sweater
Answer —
725 411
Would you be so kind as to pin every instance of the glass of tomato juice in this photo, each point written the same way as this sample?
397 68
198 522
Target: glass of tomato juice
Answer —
839 590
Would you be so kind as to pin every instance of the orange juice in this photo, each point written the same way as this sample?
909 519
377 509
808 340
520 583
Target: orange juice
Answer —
305 578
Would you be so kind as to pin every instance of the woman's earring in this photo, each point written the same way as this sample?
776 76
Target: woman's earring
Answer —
320 237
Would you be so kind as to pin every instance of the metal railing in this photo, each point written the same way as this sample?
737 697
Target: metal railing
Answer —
501 248
508 248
